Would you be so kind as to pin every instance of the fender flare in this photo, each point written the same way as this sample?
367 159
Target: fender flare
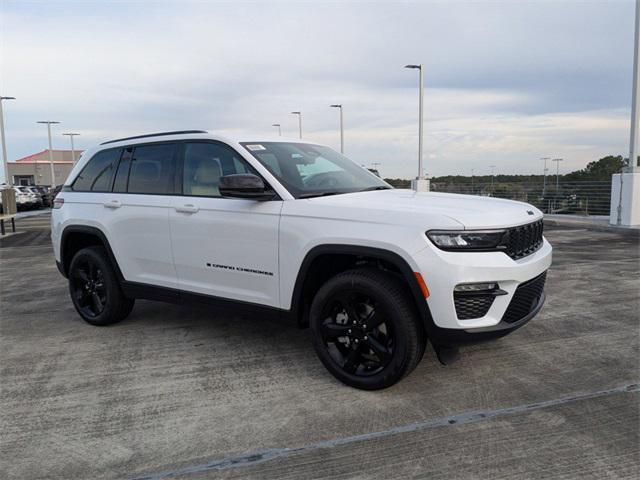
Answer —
89 230
379 253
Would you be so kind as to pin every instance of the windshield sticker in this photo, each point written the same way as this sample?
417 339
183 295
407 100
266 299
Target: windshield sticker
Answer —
255 147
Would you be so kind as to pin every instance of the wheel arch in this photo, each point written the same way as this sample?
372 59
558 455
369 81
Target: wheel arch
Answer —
76 237
314 262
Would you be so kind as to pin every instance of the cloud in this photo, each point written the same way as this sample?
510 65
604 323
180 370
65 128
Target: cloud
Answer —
506 82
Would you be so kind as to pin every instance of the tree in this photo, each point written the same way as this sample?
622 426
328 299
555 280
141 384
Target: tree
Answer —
599 170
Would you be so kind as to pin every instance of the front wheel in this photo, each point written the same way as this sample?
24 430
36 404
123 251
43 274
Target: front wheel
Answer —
365 328
95 290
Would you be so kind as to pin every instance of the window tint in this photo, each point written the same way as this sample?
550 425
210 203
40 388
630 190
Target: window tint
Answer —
152 169
205 163
96 176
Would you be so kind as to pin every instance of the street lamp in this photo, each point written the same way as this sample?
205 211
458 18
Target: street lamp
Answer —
420 116
341 127
299 122
4 142
544 175
557 160
279 128
48 123
73 150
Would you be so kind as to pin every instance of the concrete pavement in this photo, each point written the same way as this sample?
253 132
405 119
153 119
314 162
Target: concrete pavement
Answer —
189 392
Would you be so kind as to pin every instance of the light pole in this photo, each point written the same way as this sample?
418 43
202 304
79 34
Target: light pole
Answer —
493 168
557 160
299 114
544 175
472 180
635 104
48 123
341 127
420 117
4 143
279 128
73 150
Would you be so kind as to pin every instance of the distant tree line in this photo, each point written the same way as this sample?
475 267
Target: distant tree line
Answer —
599 170
576 192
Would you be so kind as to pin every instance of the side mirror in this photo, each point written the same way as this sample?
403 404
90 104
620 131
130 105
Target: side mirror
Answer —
244 185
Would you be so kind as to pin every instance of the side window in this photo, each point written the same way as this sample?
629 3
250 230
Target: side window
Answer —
205 163
97 175
152 169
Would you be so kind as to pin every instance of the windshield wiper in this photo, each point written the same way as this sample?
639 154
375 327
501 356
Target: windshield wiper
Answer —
379 187
319 194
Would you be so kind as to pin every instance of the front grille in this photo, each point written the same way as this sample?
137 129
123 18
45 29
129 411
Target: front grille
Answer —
524 240
525 299
472 306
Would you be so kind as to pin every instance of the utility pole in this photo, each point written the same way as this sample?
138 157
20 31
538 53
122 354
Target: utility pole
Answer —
544 174
299 114
557 160
4 143
73 150
341 127
493 168
48 123
279 128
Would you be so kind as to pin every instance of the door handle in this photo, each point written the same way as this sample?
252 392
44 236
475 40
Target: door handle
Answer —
113 204
189 208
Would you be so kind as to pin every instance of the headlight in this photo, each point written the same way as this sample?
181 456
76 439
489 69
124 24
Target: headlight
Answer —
468 239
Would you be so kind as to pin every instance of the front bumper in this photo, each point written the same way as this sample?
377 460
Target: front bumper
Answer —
442 271
451 337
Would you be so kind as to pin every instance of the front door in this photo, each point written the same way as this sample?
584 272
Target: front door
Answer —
223 247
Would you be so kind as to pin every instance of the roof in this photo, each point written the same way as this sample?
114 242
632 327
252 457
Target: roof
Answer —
30 158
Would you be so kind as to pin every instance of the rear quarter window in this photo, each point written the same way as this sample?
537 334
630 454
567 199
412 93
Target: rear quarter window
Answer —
97 174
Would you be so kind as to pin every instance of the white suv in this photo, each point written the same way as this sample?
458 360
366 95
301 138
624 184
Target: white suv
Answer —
296 229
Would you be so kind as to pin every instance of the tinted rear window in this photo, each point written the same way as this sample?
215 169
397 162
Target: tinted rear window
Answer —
97 175
152 169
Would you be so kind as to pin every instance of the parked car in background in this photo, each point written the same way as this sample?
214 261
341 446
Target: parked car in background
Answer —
36 198
38 195
24 200
45 194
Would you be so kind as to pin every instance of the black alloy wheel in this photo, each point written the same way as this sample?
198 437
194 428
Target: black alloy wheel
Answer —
356 334
366 329
94 288
88 288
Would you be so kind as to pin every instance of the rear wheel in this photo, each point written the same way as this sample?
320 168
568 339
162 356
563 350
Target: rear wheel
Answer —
95 290
366 330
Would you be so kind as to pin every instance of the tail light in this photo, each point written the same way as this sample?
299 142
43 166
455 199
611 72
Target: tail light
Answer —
58 202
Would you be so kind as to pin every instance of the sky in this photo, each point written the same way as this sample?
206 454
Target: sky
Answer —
505 82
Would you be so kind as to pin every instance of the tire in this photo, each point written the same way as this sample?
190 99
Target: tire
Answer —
94 288
367 356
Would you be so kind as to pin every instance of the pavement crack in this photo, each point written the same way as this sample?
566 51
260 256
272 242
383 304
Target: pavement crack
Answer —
261 456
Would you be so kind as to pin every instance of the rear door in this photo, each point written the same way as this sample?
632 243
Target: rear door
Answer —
137 213
223 247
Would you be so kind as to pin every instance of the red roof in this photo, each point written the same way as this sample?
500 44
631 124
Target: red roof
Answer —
29 158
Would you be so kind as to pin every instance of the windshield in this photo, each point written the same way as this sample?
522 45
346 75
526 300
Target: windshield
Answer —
307 170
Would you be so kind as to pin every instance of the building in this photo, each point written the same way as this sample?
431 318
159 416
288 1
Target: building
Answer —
35 169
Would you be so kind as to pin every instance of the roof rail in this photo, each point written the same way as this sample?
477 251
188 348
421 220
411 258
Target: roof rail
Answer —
160 134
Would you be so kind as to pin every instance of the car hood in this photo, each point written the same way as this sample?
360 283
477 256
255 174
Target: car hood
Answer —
467 211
